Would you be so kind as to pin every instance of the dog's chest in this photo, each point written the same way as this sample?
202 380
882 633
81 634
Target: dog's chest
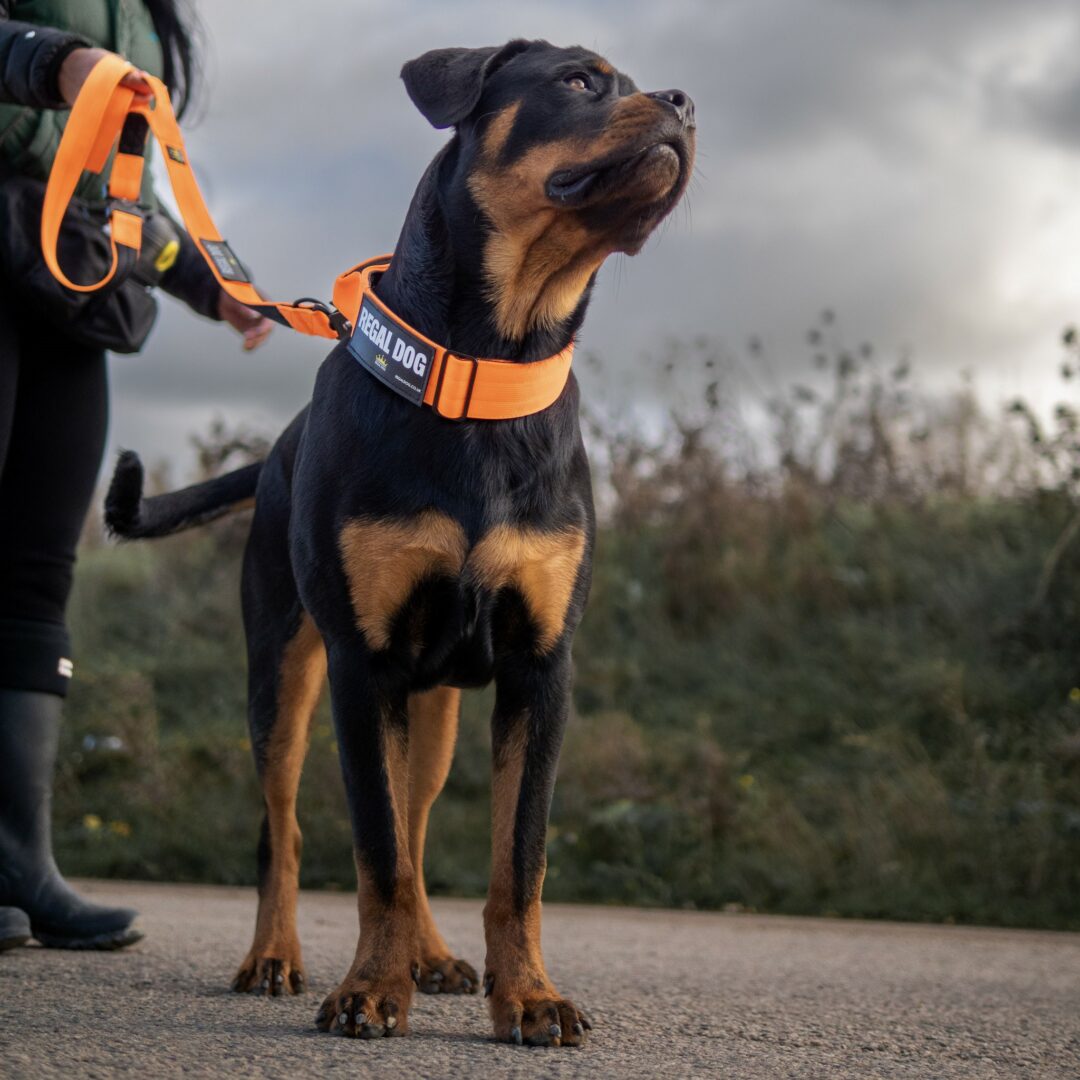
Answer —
385 563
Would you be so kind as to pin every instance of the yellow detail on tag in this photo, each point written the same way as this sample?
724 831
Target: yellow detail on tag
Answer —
167 256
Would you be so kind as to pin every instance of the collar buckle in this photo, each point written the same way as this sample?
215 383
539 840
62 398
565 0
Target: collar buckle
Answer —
341 325
436 401
338 321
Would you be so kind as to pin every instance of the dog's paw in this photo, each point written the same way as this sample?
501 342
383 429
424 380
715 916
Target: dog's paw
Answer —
269 976
366 1009
446 975
540 1019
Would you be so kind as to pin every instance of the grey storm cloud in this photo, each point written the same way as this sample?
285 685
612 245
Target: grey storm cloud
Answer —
912 164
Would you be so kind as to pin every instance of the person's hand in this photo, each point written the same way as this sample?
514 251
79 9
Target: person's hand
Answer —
255 327
80 62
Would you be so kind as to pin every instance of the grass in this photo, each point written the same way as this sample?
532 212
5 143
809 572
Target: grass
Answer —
846 684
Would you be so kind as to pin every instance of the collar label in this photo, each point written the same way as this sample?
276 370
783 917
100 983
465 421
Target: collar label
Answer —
397 358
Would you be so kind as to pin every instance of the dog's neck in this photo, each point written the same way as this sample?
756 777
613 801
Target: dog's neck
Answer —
436 281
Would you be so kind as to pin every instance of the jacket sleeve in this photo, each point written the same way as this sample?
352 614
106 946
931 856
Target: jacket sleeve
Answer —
30 59
190 279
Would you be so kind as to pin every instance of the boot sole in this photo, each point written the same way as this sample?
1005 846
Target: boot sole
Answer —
115 939
13 942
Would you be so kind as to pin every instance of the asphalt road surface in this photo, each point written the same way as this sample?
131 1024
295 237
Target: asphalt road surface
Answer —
671 994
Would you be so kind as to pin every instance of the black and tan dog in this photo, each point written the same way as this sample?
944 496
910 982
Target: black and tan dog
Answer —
410 556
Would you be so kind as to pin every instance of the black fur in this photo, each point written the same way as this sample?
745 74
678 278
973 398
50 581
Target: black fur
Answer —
445 84
359 451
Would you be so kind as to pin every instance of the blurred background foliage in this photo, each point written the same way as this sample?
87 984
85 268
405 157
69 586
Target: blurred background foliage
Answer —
831 665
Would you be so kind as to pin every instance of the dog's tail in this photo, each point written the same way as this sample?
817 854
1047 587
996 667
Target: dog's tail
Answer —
131 517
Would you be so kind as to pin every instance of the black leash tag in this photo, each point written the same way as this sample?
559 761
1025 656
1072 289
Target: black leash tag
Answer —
225 261
396 357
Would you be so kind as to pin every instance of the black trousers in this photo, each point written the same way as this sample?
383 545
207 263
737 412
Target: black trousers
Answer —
54 410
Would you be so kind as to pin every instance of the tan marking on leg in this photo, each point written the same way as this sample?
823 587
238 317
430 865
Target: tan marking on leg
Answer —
521 996
300 681
379 985
542 566
433 725
521 948
385 560
379 921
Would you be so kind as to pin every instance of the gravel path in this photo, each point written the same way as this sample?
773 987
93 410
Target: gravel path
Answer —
671 994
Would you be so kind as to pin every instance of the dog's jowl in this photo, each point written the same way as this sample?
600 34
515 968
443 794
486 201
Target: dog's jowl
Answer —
410 556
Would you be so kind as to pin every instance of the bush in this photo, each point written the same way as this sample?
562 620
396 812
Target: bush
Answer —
836 676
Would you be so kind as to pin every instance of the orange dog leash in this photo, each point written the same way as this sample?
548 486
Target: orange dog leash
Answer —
422 371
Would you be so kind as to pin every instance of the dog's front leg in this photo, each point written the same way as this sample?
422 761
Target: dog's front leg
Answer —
531 708
371 722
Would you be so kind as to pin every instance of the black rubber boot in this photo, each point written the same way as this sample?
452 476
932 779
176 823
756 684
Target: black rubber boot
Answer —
29 879
14 928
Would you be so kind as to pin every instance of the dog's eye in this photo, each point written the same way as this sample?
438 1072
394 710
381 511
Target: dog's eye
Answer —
578 82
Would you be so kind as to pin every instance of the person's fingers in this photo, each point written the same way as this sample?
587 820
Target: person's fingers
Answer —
254 326
237 315
80 62
246 319
136 80
256 335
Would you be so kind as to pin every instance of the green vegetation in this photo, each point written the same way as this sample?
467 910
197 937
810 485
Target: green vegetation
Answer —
842 681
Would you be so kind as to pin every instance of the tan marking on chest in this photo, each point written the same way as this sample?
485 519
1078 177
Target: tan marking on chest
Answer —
541 566
384 561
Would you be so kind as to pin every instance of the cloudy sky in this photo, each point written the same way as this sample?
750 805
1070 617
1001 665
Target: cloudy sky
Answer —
913 164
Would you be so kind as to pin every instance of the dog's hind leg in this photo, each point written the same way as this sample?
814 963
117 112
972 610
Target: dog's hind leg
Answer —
433 724
287 666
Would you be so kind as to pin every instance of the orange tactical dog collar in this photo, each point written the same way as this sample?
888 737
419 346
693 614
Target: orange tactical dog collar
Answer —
456 387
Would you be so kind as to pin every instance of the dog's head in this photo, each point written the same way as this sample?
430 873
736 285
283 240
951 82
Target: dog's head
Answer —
566 160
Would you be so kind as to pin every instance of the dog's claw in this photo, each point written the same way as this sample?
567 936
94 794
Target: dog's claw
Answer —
555 1031
515 1034
489 985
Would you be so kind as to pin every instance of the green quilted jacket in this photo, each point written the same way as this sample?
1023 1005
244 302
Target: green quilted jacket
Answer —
35 38
29 136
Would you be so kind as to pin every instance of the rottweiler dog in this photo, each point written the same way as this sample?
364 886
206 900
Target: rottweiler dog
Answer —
409 556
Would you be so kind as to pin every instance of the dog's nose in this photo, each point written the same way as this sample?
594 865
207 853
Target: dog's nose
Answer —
680 101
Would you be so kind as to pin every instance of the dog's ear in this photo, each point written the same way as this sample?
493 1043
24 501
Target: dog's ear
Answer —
445 84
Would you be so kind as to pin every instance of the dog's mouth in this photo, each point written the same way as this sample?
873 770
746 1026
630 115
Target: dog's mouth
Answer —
652 169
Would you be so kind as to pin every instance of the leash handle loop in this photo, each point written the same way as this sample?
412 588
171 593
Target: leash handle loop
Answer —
104 113
93 127
104 116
